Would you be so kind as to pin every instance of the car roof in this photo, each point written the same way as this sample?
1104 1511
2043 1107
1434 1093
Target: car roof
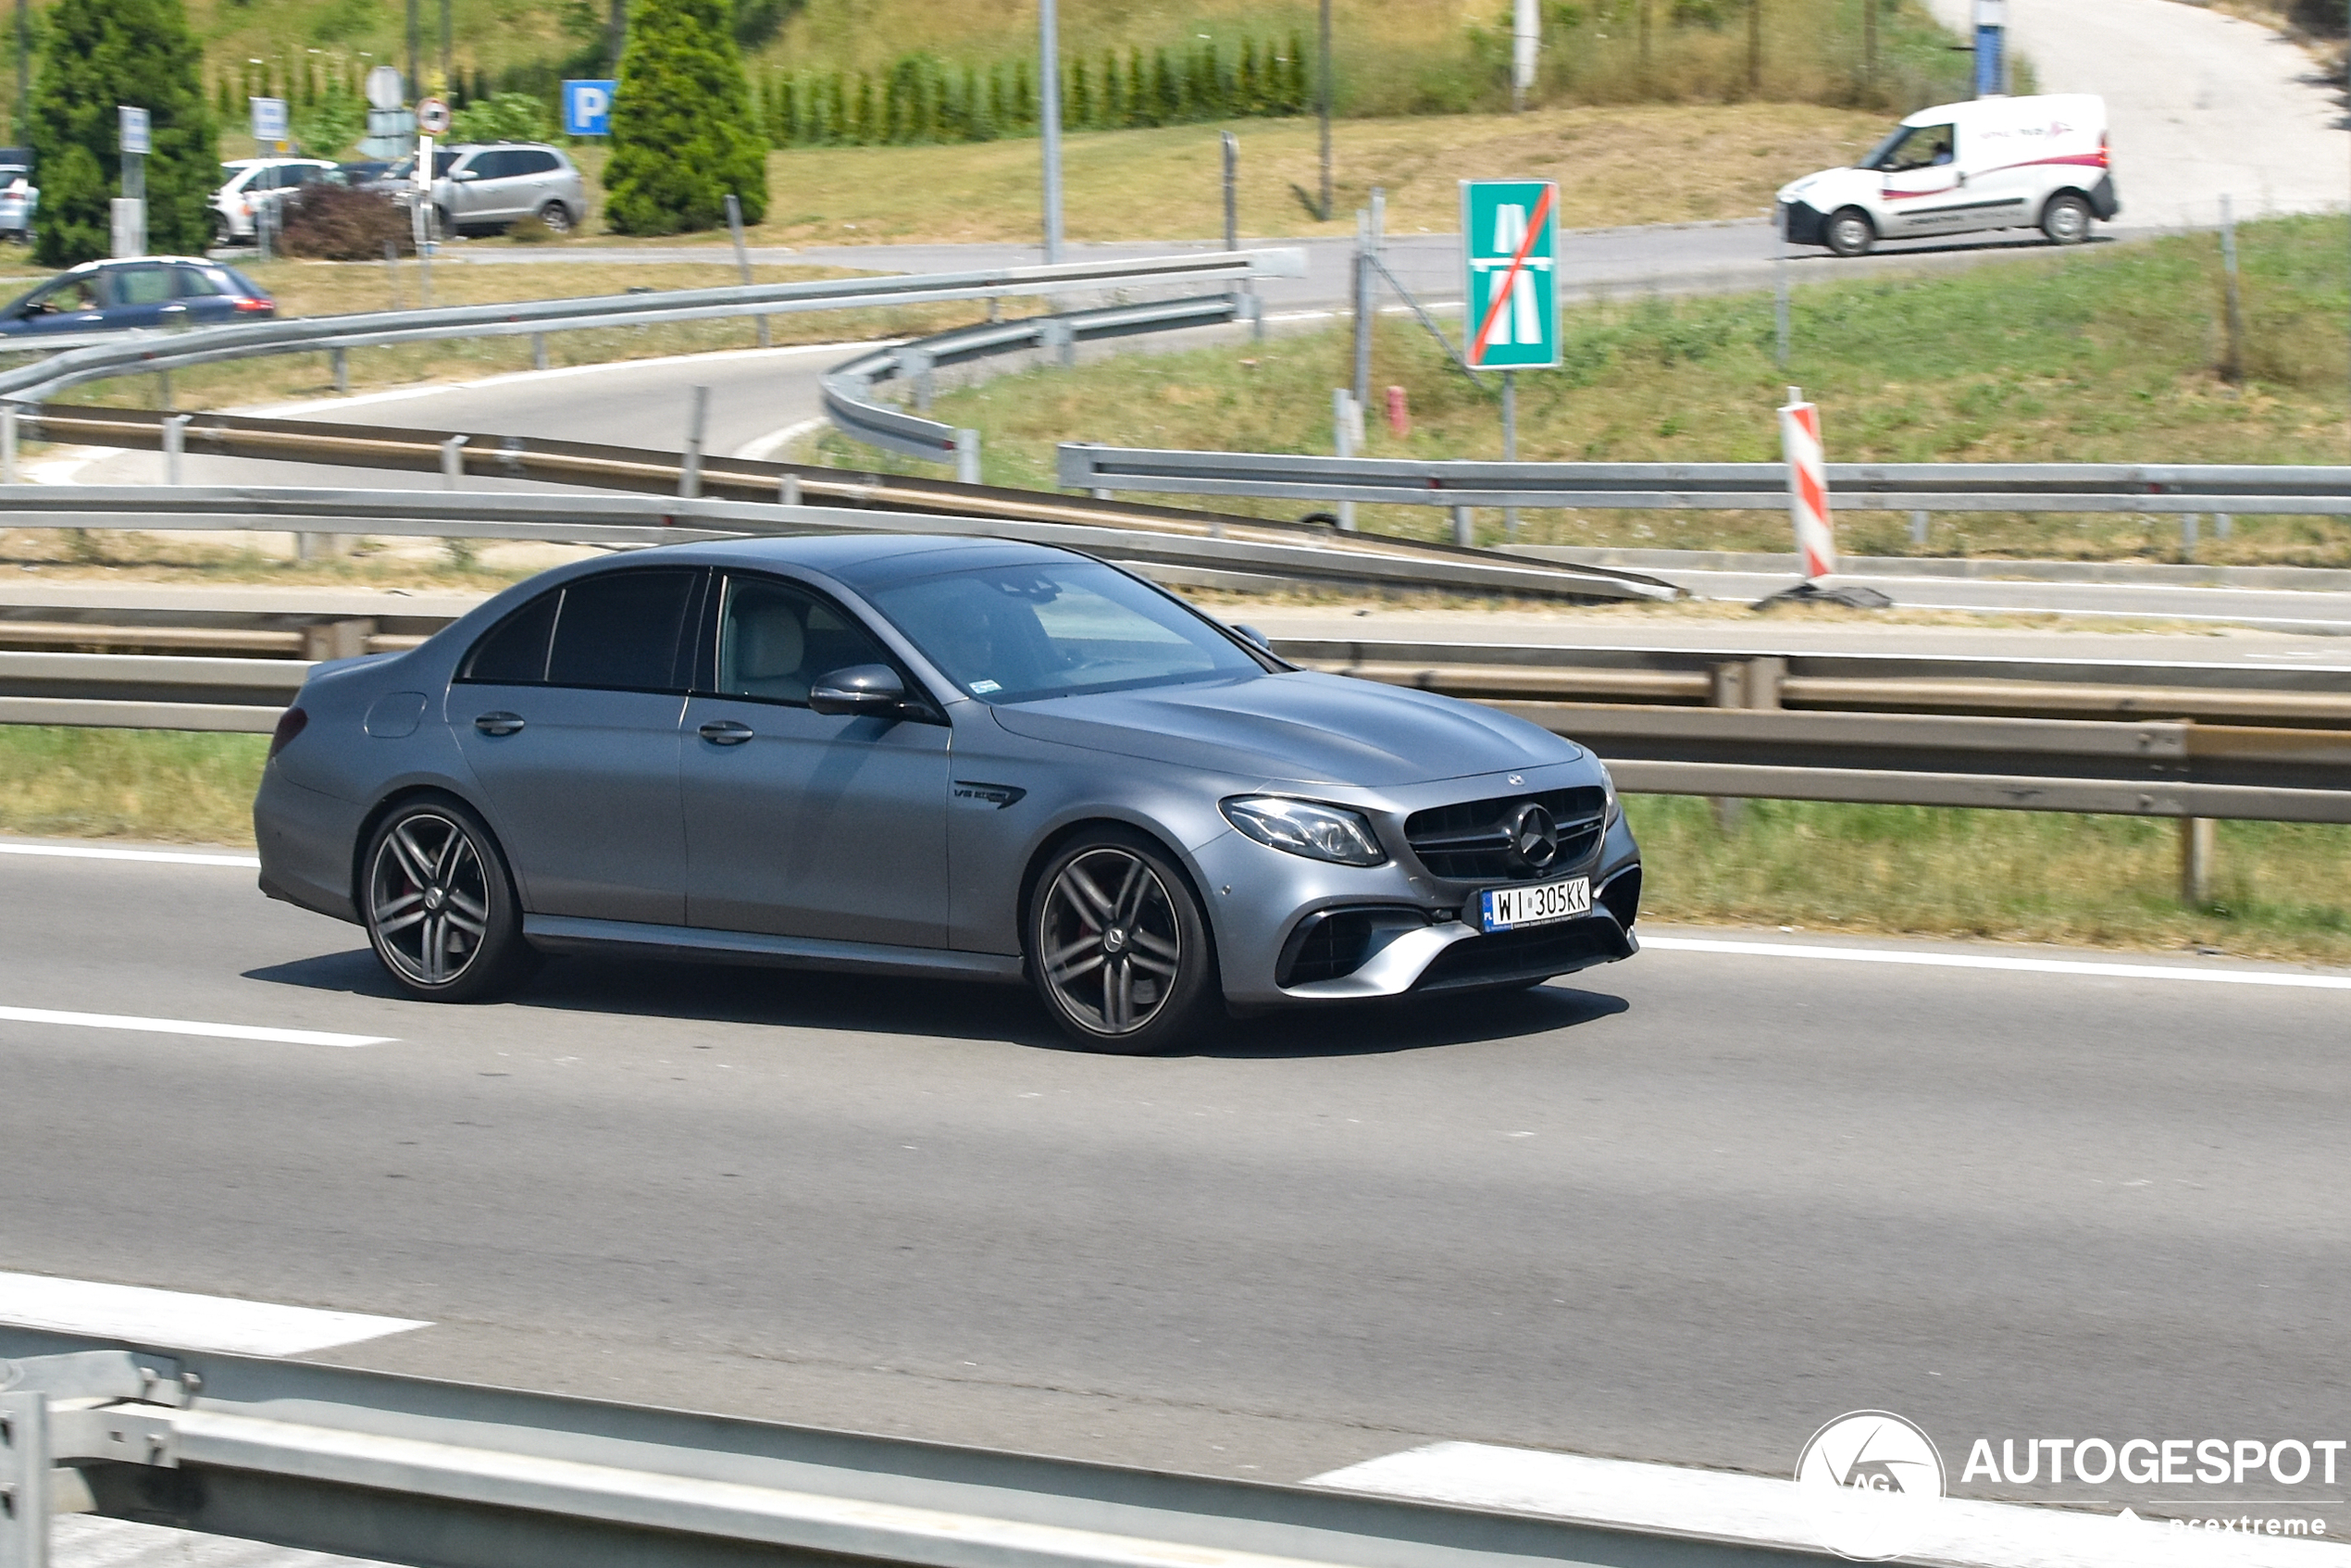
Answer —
104 263
862 559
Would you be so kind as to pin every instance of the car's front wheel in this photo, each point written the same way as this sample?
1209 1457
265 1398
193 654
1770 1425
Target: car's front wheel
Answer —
1118 947
439 904
1851 232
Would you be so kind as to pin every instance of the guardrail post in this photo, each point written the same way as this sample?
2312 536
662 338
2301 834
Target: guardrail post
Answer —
2187 536
1726 688
697 417
913 367
539 351
1056 338
967 457
453 463
1919 525
2223 525
788 490
8 443
336 640
175 446
1344 412
1464 531
24 1480
162 388
742 256
2198 843
340 360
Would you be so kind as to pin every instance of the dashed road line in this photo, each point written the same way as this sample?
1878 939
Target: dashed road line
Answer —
2018 964
159 857
183 1320
186 1026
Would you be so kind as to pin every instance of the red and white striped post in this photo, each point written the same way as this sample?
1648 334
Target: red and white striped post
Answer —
1808 486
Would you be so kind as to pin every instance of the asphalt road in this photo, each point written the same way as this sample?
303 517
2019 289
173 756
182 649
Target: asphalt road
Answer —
1683 1209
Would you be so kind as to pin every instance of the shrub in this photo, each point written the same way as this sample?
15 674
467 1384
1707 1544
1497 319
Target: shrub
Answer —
530 229
683 136
99 54
336 223
502 117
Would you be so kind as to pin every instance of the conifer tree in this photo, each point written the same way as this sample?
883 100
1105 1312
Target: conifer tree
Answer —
683 135
99 54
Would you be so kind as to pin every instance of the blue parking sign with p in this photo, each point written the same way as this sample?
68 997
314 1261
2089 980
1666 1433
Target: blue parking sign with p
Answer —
588 108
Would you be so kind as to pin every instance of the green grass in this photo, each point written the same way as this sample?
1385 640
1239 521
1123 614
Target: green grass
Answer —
2007 876
2106 354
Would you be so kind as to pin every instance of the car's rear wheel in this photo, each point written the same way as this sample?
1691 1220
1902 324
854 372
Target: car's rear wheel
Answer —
440 905
1118 947
557 216
222 235
2066 220
1851 232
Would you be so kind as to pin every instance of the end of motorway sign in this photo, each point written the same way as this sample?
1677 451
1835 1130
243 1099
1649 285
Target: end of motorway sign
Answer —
1510 247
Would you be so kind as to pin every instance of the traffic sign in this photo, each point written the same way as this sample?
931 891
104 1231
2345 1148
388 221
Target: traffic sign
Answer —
433 117
1510 242
391 134
385 89
269 119
587 107
133 130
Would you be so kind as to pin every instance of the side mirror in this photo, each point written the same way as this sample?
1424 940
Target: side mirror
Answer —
1254 636
467 174
861 689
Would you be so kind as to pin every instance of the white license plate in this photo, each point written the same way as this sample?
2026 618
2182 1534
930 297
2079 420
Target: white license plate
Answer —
1503 909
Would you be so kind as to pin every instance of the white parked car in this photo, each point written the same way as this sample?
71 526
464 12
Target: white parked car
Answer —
249 185
1962 169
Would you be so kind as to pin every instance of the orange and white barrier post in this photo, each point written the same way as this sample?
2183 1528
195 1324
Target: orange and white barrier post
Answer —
1808 486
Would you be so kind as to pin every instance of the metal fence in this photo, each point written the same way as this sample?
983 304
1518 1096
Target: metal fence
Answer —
408 1469
134 354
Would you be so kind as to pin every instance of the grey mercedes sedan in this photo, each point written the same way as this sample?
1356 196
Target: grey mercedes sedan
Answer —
913 755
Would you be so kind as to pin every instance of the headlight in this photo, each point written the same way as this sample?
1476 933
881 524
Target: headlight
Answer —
1307 827
1611 808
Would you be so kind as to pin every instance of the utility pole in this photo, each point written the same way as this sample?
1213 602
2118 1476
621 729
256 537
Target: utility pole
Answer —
617 33
1754 47
1526 38
1869 44
416 84
24 64
1325 96
1049 122
448 82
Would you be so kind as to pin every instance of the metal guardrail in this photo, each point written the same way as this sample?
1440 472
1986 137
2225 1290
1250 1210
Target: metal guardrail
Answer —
1726 487
1780 726
145 353
411 1469
847 387
984 508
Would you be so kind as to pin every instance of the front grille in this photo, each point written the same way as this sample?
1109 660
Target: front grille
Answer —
1470 842
1534 954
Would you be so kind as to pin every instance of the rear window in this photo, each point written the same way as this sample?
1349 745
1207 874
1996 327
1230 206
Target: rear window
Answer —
515 654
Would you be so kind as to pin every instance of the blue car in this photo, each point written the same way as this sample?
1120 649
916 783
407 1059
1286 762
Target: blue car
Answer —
155 291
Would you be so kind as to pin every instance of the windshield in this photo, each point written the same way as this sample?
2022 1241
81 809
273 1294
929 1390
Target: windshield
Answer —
1912 146
1016 634
407 168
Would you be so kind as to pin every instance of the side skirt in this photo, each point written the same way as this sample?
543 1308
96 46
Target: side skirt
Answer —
566 933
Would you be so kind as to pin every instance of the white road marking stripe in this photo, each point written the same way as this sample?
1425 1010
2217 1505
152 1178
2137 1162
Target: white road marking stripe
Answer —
162 857
1765 1510
186 1026
1989 960
182 1320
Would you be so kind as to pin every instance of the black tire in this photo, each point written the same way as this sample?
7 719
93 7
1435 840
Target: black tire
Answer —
557 216
222 235
1113 904
1848 231
440 905
438 226
2066 220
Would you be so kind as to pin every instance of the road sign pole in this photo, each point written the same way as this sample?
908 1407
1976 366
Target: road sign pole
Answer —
1510 441
1049 122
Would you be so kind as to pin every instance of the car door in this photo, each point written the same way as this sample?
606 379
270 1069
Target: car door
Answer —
533 181
142 294
203 298
484 197
1921 182
799 822
69 304
567 713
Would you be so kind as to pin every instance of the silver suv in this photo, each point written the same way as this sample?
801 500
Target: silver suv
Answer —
488 187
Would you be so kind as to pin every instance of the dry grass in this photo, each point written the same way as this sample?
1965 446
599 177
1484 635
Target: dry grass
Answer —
2084 881
2007 876
2101 355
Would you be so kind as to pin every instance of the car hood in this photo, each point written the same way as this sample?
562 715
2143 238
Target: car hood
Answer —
1831 187
1301 726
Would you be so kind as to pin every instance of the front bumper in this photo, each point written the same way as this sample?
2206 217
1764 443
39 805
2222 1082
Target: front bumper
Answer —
1294 930
1804 224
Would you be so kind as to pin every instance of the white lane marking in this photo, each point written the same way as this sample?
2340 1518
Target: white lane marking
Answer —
1766 1511
185 1027
183 1320
1989 960
762 448
161 857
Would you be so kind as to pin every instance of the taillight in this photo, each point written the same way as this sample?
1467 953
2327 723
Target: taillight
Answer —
290 724
253 306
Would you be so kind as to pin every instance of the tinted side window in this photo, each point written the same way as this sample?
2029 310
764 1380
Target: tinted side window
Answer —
492 166
515 654
142 285
621 629
196 282
533 162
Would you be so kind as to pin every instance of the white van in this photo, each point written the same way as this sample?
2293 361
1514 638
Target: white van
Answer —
1960 168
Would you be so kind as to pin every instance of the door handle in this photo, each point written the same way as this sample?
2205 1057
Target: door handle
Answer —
173 310
499 723
725 732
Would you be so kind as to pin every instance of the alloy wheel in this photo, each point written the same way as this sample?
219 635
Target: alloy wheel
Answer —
429 898
1112 946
